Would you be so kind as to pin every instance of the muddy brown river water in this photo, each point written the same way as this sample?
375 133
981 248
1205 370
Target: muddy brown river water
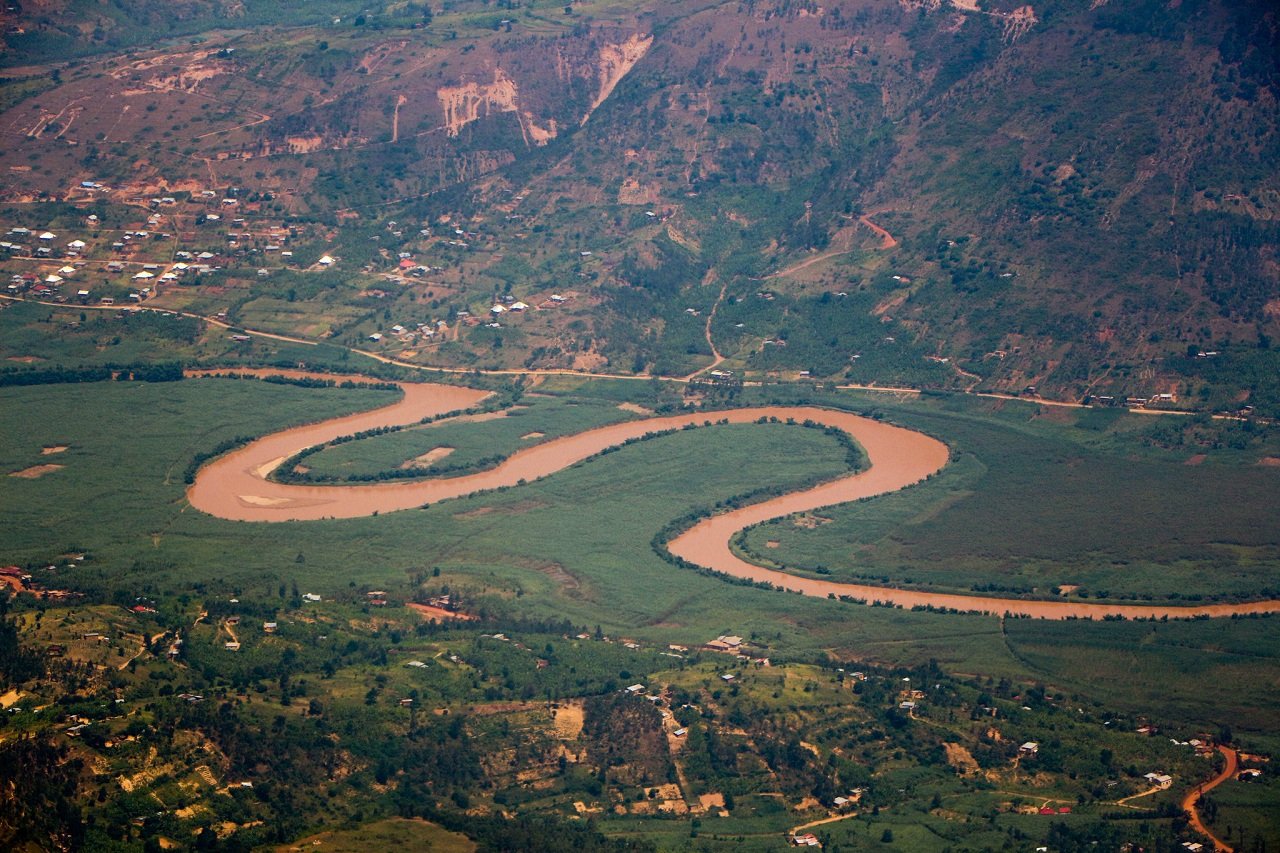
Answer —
235 486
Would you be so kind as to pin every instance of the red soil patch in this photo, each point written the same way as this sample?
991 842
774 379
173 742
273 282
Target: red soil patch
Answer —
35 471
437 612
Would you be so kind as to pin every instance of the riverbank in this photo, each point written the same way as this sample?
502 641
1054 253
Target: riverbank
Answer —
235 487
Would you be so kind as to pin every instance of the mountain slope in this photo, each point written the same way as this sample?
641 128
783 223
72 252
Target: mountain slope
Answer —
1081 197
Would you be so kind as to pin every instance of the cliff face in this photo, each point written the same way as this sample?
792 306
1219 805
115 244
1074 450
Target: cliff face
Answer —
467 102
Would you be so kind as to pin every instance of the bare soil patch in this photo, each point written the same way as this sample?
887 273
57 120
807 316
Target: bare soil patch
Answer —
1196 460
711 801
51 449
432 456
960 758
772 543
588 361
36 471
1270 461
568 720
636 408
259 500
431 612
808 803
531 435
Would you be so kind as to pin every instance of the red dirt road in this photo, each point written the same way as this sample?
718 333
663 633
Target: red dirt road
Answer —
1193 797
887 240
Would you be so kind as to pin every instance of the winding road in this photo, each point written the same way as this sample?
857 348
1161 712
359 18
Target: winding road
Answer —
236 486
1193 796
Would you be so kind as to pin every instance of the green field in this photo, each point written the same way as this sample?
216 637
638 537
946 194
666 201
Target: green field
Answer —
39 337
1243 813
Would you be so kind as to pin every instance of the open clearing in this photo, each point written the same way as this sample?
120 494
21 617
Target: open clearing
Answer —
430 457
431 612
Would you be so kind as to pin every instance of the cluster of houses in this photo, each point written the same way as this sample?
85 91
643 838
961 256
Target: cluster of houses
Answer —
427 331
20 580
49 283
21 242
508 304
1128 402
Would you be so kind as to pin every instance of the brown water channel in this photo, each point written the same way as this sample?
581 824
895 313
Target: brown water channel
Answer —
235 486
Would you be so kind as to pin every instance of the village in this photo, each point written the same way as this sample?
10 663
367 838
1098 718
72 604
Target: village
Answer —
692 698
206 253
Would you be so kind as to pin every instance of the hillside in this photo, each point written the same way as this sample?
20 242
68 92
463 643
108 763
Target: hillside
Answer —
1077 197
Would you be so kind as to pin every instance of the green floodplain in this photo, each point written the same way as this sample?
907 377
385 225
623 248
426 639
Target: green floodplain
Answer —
1035 499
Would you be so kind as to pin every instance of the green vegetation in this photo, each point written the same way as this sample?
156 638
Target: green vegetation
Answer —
664 196
1241 813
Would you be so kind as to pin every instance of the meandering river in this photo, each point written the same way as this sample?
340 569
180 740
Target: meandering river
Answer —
235 486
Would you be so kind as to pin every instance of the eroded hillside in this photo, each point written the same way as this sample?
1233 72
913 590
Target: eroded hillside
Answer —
1080 197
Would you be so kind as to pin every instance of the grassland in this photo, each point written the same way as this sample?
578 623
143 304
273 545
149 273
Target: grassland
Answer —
1243 813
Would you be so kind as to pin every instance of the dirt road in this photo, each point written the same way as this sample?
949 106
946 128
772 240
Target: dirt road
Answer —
887 240
717 358
1193 797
